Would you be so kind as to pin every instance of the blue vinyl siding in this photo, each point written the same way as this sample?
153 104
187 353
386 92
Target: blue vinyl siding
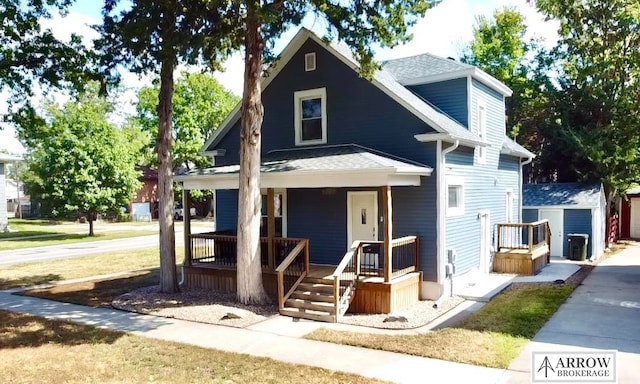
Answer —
231 144
226 209
415 213
357 111
577 221
319 215
485 185
449 96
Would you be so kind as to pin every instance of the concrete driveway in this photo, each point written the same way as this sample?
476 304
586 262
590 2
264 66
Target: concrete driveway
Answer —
602 313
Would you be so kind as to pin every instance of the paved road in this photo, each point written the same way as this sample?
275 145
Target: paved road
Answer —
63 251
603 313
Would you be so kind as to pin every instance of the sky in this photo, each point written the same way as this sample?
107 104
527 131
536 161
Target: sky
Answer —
443 31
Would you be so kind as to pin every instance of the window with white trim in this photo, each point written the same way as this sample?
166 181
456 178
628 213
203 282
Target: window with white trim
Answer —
481 121
310 62
455 196
311 116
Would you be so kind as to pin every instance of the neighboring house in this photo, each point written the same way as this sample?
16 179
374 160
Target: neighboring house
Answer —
16 197
418 150
144 205
630 214
4 159
571 208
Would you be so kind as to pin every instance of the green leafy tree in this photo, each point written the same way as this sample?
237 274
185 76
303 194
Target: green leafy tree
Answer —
153 36
78 161
598 98
500 48
360 25
200 105
30 55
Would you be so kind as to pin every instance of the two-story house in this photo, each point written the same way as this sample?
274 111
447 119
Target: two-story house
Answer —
407 172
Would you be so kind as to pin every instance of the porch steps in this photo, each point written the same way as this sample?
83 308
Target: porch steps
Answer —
313 299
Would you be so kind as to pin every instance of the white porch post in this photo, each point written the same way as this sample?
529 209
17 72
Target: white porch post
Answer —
388 231
186 217
271 226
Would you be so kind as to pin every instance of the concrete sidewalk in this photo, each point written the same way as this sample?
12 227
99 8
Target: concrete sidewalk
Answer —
394 367
602 313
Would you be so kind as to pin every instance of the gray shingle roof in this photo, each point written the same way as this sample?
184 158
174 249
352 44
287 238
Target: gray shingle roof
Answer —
415 67
349 157
570 194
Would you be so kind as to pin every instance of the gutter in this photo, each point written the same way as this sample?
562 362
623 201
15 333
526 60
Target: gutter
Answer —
442 225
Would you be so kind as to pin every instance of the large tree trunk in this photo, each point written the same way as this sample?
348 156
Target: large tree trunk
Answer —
168 273
250 288
91 216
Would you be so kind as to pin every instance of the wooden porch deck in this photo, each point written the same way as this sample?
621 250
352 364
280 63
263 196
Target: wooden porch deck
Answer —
523 249
372 294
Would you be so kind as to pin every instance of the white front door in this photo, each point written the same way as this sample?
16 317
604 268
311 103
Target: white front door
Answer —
635 218
485 242
556 226
362 216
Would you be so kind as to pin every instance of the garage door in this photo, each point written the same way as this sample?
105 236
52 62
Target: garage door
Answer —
635 218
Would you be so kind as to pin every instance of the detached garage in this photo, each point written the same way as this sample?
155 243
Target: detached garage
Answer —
571 208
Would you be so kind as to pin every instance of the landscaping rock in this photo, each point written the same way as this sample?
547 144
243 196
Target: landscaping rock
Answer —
395 318
230 315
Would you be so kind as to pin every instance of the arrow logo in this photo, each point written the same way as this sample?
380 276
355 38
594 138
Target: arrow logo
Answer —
546 365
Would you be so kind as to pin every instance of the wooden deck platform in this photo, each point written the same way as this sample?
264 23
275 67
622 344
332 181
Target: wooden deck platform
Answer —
521 261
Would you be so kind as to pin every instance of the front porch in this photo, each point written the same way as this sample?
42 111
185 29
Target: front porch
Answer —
317 204
367 280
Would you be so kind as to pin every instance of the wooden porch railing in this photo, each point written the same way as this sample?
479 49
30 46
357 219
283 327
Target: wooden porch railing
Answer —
220 249
345 277
404 257
293 269
528 236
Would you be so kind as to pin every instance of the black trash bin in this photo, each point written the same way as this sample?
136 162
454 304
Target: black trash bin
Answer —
578 246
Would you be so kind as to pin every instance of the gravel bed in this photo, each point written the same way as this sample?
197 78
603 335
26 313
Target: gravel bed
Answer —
222 308
418 315
199 305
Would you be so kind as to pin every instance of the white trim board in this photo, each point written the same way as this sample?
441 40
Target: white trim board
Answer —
305 180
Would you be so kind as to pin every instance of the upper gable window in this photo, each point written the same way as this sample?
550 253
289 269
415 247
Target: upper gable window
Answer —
310 62
311 116
481 121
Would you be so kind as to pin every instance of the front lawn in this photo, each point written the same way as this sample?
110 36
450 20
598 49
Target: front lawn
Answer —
36 350
491 337
66 238
24 275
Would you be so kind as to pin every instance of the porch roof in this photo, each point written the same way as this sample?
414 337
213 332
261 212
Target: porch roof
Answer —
317 167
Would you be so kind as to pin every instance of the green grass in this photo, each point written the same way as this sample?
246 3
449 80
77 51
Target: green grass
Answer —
24 275
37 227
491 337
68 238
36 350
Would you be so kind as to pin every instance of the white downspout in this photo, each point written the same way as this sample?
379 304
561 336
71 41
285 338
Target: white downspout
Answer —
442 224
521 196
